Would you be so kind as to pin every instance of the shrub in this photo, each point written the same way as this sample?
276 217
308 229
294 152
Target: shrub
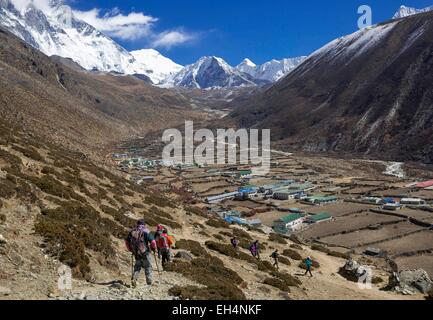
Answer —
292 254
339 254
159 201
48 170
221 283
242 234
197 211
275 237
13 160
30 152
296 246
119 216
217 223
288 279
7 189
71 228
284 260
2 216
192 246
228 250
318 247
219 237
265 266
277 283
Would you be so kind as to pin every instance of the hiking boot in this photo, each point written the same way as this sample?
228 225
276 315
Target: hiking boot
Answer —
134 283
149 282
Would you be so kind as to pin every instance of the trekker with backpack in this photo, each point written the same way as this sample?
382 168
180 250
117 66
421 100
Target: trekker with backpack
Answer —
255 250
234 241
164 243
139 243
308 264
275 255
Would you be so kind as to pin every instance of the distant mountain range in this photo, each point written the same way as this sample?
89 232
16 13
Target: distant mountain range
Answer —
408 11
57 32
366 93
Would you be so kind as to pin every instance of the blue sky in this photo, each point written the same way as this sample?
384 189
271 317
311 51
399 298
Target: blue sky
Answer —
235 29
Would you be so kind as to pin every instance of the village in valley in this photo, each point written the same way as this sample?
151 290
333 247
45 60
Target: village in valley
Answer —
366 209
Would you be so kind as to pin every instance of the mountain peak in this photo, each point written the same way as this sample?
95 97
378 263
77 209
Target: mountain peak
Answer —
247 62
405 11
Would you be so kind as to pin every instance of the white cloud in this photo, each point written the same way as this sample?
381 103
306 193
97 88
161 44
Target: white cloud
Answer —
169 39
133 26
44 5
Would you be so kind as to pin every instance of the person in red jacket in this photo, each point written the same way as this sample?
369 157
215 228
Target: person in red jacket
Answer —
164 243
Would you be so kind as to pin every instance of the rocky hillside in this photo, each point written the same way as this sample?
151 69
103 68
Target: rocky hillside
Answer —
366 93
58 208
77 108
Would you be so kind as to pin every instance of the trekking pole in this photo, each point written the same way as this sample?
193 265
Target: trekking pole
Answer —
157 265
132 268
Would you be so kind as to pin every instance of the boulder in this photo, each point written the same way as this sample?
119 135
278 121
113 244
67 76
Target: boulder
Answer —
410 282
2 240
4 291
352 270
183 255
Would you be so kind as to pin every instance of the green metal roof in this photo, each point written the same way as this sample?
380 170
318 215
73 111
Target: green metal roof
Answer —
291 218
320 216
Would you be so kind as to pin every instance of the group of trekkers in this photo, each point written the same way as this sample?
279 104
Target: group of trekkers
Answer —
255 252
141 242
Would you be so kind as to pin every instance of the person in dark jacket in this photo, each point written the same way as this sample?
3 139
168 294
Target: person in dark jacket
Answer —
140 244
275 255
234 241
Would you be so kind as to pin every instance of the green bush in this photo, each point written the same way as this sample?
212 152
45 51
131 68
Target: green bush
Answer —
7 189
318 247
197 211
221 283
159 201
284 260
30 152
192 246
219 237
277 283
296 246
242 234
339 254
288 279
228 250
71 228
217 223
275 237
292 254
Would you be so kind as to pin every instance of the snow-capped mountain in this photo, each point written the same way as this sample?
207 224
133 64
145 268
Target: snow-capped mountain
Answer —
247 66
211 72
56 31
408 11
157 67
214 72
271 71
